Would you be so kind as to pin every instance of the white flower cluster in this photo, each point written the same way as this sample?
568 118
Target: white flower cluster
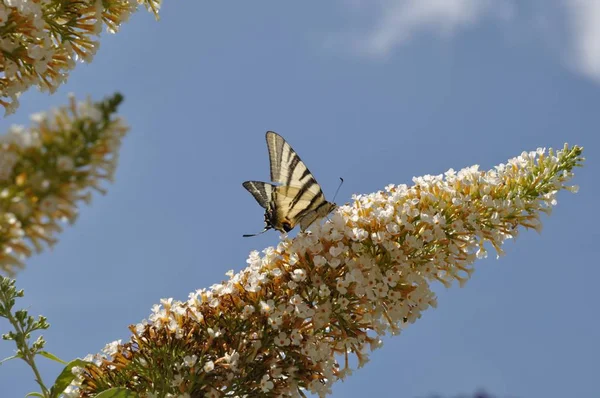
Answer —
52 49
332 291
33 199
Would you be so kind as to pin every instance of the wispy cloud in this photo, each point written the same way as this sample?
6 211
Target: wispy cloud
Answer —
397 22
584 26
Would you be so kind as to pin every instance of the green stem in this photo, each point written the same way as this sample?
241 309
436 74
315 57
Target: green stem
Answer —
28 355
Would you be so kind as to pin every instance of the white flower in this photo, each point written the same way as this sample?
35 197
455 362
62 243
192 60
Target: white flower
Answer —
337 249
247 311
296 337
293 258
190 360
336 235
319 260
292 285
208 366
232 359
392 277
298 275
71 391
381 289
282 339
296 299
213 333
266 385
358 234
112 348
267 306
324 291
322 314
254 259
275 321
341 285
302 310
335 262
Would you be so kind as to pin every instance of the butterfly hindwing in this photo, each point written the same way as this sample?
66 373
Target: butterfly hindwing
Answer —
321 211
262 191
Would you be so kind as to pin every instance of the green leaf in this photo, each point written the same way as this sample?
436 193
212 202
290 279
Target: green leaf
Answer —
12 357
117 392
66 377
35 394
51 356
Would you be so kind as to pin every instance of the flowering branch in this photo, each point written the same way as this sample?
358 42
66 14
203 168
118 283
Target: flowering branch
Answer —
46 169
41 40
290 320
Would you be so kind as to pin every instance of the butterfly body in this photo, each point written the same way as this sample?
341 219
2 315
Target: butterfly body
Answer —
298 199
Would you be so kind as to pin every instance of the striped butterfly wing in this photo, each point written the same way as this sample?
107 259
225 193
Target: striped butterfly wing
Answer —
321 211
262 191
293 205
286 166
299 199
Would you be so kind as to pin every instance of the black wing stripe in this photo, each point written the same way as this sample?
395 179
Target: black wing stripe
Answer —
305 173
292 164
303 190
311 206
275 144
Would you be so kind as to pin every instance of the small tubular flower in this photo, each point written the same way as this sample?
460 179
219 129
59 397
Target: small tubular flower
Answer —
294 329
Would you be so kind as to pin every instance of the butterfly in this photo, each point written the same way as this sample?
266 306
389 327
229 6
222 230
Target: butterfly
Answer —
297 199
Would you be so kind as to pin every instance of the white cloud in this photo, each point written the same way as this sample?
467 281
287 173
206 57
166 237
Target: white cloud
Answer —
571 28
400 19
584 25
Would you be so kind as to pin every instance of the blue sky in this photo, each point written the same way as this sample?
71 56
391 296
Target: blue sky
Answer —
374 91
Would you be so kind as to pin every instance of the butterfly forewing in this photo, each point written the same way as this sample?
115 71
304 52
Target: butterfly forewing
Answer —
286 166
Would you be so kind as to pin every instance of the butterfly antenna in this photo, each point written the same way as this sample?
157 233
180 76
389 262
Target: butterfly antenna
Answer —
338 189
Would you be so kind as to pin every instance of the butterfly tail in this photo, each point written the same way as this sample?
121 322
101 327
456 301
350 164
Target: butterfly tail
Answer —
259 233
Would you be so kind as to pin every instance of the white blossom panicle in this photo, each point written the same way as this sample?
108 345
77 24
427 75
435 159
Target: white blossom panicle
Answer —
292 319
45 170
40 41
